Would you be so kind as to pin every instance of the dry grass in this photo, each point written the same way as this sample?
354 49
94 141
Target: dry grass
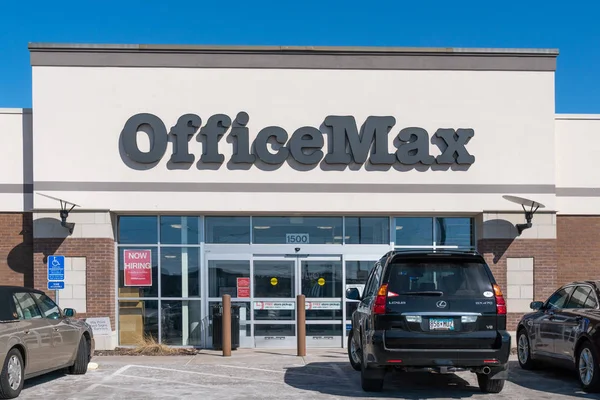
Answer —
148 346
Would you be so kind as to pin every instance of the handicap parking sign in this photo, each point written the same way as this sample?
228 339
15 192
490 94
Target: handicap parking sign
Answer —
56 268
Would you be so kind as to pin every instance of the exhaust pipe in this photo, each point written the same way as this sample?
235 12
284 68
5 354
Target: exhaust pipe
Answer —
486 370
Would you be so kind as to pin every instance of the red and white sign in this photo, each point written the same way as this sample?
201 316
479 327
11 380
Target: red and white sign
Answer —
138 267
243 287
274 305
323 305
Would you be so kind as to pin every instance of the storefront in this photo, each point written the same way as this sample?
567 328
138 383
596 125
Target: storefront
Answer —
268 172
263 262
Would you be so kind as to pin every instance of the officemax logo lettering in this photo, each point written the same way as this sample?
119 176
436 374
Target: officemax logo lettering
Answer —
347 144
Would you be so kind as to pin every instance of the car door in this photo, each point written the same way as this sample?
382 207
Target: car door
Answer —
363 311
368 298
571 319
545 327
36 334
65 336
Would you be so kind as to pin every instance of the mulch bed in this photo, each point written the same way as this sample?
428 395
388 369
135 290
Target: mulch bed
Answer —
119 351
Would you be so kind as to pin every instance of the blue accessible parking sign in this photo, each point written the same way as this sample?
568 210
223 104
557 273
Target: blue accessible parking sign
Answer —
56 285
56 272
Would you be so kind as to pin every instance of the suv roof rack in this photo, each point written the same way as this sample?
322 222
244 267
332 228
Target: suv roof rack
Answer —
430 251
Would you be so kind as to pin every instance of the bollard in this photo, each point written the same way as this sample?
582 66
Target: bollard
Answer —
301 324
226 333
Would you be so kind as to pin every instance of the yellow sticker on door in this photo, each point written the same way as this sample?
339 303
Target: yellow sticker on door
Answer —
274 281
321 281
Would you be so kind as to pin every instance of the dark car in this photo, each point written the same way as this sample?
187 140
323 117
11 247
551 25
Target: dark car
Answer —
37 337
436 311
564 331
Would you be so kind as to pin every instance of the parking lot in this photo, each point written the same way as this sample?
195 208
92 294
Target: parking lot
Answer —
256 374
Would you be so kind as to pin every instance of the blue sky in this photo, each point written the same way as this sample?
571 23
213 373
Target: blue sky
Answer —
572 27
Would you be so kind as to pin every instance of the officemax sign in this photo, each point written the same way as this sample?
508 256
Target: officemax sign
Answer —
346 143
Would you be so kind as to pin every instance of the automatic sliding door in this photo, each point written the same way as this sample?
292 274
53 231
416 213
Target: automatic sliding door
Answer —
274 303
322 284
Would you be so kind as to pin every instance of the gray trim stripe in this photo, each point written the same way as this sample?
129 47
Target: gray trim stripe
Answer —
244 187
375 58
17 188
577 192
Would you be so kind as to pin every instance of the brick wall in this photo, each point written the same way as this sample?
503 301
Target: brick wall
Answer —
578 248
544 253
100 270
16 249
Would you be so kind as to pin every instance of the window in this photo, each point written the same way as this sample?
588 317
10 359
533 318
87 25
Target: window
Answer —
228 230
137 320
454 232
18 309
297 230
138 282
591 301
452 278
48 307
373 282
458 232
138 230
579 297
28 306
559 299
179 230
367 230
357 273
413 231
180 271
223 278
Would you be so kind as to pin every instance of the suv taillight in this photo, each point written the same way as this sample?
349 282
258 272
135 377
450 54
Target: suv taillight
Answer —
500 302
380 300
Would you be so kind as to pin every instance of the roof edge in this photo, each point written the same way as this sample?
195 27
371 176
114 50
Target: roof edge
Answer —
188 48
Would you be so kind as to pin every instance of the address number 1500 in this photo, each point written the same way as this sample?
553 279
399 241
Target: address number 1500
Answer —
296 238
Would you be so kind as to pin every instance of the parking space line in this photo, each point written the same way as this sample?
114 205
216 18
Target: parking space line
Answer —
339 372
205 374
108 378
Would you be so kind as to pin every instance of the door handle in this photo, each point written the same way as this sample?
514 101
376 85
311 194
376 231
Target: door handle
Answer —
26 332
55 329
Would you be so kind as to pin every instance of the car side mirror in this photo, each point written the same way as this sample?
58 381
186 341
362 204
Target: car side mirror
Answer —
352 294
536 305
69 312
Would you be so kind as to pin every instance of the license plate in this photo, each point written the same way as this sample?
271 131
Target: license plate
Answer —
437 324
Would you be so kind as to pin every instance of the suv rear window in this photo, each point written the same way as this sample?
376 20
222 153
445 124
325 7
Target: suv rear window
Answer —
450 278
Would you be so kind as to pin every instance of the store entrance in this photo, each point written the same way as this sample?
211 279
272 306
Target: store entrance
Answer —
277 281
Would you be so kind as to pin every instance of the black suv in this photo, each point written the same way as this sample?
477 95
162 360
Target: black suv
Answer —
438 311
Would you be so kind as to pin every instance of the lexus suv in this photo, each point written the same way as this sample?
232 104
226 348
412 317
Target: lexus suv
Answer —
439 311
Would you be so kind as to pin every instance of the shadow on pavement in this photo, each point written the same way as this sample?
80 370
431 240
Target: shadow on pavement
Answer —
551 380
339 379
40 380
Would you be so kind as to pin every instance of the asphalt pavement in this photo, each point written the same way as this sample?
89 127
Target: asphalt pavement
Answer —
264 374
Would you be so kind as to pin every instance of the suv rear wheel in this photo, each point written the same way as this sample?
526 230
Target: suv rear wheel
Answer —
354 353
371 379
488 385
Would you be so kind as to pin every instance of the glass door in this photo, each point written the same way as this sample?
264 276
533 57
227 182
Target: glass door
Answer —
276 283
274 302
321 281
